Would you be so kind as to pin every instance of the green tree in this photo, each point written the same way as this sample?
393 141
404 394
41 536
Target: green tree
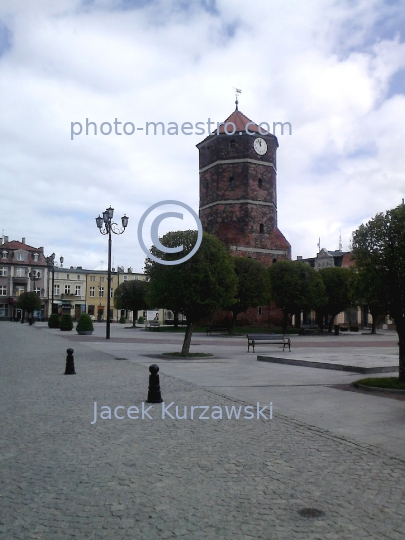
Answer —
196 287
29 302
131 295
379 250
252 286
295 286
366 287
338 291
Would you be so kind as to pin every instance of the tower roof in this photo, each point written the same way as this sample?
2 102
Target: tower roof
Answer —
240 121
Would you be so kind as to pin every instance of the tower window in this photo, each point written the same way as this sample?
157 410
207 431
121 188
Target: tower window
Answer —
260 183
232 143
261 229
231 182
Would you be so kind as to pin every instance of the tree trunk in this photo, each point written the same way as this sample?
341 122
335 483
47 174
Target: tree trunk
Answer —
332 318
401 343
285 323
373 324
176 319
187 339
233 322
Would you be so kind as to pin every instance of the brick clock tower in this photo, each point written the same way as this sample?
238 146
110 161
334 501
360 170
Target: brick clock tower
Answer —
238 190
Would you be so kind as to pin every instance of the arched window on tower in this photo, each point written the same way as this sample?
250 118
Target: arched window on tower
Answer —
261 230
260 183
231 182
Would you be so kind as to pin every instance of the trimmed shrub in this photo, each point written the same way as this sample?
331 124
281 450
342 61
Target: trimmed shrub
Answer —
84 324
123 319
141 320
65 322
53 321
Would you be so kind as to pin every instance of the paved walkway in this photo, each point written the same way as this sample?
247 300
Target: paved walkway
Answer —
62 477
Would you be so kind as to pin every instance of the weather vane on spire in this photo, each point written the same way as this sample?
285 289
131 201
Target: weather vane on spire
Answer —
237 91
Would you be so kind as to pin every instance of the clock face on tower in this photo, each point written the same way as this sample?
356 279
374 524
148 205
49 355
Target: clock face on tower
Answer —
260 146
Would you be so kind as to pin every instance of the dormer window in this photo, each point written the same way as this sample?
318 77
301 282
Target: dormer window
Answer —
20 256
36 256
4 254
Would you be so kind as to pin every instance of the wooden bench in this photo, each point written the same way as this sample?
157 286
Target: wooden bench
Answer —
309 328
215 328
153 326
266 339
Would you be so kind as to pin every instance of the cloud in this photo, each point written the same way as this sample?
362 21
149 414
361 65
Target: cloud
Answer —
329 67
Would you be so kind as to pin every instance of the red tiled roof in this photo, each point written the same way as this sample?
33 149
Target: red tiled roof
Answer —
15 244
240 121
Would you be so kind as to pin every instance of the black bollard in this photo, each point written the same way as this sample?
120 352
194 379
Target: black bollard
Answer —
154 395
70 363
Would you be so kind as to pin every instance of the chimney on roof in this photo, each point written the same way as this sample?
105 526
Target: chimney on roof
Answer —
5 239
23 241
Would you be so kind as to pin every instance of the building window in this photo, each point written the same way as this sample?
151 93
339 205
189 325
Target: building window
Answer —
56 290
101 292
67 289
101 278
125 278
90 310
3 271
36 256
260 310
92 291
231 182
4 254
232 143
67 276
3 310
92 278
78 277
37 290
57 275
78 290
19 290
136 277
260 183
206 186
3 290
20 257
111 292
261 230
20 272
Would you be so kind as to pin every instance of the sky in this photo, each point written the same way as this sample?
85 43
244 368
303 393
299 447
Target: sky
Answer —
333 69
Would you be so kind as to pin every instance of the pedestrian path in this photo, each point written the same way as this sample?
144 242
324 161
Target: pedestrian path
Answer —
64 477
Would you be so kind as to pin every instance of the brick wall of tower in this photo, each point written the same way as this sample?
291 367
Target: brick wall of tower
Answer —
231 185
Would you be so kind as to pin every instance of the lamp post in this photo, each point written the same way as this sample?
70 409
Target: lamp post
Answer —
35 275
50 261
106 226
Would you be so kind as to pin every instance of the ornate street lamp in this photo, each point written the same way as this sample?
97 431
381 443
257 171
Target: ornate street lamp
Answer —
35 275
50 261
106 226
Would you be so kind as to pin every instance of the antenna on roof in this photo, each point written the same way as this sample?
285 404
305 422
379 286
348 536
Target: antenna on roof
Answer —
319 244
237 91
340 241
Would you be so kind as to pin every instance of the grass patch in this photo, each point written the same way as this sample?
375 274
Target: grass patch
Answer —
189 355
382 382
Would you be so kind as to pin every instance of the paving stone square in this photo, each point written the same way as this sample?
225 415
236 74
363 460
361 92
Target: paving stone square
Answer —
63 477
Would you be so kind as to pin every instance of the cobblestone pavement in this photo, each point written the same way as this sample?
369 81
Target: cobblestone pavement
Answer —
62 477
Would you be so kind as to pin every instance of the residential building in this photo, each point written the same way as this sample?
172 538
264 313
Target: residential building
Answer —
19 262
